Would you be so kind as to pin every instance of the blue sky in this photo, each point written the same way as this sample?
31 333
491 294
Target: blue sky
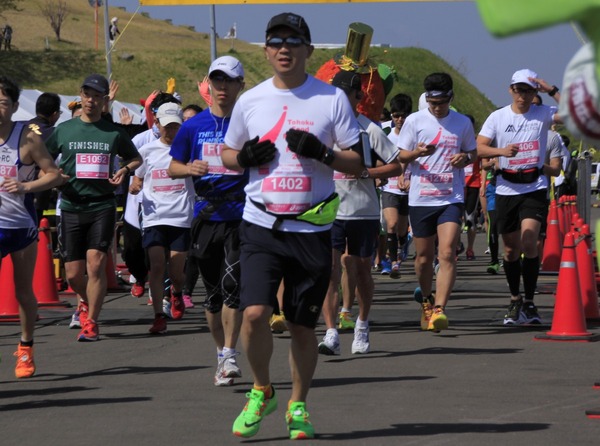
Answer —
451 30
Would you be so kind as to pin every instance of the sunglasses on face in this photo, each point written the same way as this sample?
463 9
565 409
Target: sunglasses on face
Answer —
399 115
291 41
222 78
520 90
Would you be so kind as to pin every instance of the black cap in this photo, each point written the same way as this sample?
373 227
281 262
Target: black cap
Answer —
347 80
292 21
96 82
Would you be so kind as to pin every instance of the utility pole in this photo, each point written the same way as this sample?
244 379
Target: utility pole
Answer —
213 34
107 47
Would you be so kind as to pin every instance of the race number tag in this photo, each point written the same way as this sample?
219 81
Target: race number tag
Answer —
92 166
287 194
528 156
162 182
435 184
211 153
7 170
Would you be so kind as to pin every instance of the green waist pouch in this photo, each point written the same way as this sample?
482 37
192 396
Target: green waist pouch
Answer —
321 214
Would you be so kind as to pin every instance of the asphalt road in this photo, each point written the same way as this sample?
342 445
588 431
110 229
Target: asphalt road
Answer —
478 383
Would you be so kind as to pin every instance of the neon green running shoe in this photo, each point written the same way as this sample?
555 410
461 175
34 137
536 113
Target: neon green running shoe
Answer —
438 320
345 321
247 423
297 420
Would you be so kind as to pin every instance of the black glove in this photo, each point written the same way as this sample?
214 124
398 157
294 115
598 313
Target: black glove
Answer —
256 153
305 144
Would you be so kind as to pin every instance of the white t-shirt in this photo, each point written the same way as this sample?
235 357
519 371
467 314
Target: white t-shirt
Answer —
290 184
392 184
131 215
358 197
434 181
166 201
530 132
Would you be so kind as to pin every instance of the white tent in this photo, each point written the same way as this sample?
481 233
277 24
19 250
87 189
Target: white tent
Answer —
28 98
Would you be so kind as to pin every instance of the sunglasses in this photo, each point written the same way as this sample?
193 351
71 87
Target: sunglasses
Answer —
520 90
399 115
223 78
291 41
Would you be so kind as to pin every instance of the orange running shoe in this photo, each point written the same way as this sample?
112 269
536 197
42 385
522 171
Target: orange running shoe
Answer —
25 366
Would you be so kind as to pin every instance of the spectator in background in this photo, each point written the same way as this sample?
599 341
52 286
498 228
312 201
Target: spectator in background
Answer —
113 30
7 37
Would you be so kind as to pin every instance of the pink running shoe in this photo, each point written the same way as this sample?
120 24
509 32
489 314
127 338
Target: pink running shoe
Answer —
187 301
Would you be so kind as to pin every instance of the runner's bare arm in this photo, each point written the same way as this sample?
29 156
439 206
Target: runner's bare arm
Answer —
33 150
484 150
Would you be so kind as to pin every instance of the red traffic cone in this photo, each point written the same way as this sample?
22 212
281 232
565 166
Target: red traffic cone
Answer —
585 271
44 280
552 245
9 306
593 414
568 322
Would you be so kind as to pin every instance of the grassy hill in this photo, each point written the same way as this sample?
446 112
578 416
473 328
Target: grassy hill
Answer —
161 50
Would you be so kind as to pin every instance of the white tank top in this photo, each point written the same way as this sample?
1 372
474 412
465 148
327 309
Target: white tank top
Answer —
16 210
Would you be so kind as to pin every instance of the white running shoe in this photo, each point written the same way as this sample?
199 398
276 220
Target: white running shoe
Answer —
230 366
361 344
75 323
221 380
330 345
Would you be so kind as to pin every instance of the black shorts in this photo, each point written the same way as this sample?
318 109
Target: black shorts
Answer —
358 236
216 246
511 210
390 200
302 260
424 220
171 237
80 231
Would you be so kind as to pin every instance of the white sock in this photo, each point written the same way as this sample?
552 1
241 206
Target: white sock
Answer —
361 324
332 331
228 351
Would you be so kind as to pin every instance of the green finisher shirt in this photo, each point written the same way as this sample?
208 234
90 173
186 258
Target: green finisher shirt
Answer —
88 153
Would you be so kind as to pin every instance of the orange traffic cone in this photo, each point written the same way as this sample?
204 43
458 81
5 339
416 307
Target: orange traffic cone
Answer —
568 322
561 216
112 283
552 245
44 280
9 306
585 271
